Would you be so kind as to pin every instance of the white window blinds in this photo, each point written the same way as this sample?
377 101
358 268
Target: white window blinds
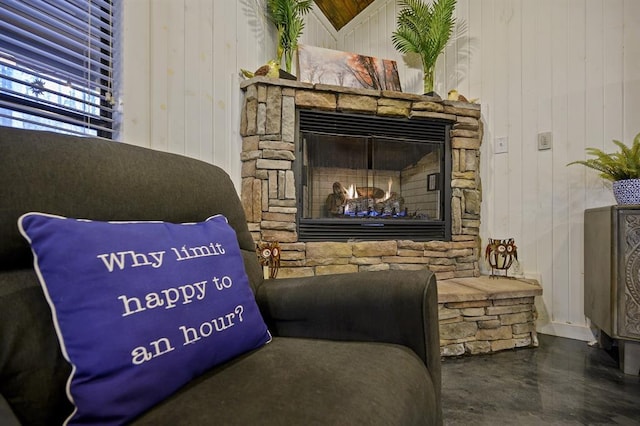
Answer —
56 65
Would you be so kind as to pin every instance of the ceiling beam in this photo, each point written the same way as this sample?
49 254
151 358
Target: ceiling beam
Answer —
340 12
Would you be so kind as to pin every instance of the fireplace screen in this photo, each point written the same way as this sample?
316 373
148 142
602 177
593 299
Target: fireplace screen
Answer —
368 178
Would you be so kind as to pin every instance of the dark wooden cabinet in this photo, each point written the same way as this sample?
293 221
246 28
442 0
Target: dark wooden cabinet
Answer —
612 277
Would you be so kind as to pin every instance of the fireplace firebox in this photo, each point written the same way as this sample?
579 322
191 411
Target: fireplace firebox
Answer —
364 177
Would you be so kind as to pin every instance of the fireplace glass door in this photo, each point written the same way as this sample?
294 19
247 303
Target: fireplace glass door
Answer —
359 186
370 177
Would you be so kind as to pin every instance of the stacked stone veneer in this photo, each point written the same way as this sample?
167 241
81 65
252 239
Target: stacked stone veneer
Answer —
268 184
483 315
486 326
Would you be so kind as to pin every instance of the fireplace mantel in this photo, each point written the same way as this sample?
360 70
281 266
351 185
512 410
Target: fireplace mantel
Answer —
268 128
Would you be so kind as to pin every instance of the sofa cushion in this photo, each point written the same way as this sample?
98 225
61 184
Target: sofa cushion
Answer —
105 180
141 308
295 381
33 372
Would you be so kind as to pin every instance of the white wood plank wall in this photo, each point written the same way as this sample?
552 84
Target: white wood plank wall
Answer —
179 87
569 67
181 59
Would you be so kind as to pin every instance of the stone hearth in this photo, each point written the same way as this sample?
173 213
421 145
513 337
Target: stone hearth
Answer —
268 182
482 315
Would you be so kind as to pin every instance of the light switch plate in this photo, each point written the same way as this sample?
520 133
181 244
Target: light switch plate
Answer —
545 140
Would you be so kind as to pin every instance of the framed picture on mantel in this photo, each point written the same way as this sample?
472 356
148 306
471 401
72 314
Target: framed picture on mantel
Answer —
318 65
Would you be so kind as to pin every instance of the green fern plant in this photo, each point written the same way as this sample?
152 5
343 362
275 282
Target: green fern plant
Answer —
621 165
424 29
287 15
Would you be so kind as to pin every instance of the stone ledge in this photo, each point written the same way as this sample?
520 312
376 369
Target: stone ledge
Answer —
485 287
275 82
482 315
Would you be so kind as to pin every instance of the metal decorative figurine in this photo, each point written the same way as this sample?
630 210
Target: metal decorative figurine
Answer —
269 255
500 255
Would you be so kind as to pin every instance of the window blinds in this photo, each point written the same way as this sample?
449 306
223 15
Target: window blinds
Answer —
56 65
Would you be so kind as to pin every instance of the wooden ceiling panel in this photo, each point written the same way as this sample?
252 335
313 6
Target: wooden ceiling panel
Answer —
340 12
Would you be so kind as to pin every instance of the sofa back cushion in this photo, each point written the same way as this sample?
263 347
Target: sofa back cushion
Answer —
105 180
33 373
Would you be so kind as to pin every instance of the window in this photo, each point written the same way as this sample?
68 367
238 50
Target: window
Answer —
56 65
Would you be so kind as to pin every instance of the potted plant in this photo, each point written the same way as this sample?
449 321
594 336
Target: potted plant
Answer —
287 15
622 168
424 29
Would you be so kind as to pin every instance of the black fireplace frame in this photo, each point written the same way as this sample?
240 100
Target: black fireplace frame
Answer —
420 129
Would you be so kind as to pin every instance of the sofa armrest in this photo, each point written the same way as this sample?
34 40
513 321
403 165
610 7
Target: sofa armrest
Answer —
7 418
398 307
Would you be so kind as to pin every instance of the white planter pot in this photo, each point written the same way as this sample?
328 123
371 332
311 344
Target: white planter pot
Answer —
627 191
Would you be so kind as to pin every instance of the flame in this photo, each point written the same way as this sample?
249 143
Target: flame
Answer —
352 192
387 194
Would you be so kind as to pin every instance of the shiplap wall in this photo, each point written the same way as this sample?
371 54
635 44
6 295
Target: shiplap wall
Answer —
179 73
570 67
179 86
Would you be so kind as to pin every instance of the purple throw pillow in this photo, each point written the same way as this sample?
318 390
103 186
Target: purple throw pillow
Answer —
141 308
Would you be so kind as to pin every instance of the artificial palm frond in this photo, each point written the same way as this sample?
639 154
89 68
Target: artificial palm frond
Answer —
424 29
287 15
624 164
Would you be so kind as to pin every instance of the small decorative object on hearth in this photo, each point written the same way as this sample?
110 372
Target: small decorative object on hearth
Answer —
269 255
500 255
622 168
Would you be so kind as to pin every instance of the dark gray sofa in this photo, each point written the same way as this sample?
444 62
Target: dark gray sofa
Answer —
355 349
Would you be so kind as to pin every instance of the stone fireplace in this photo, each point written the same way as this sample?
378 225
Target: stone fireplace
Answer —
410 207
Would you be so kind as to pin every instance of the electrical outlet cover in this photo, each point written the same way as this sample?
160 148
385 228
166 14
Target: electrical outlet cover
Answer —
501 145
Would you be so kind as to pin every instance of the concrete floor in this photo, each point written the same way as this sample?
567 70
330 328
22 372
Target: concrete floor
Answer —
562 382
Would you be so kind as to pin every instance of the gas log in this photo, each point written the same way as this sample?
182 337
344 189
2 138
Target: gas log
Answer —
369 201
